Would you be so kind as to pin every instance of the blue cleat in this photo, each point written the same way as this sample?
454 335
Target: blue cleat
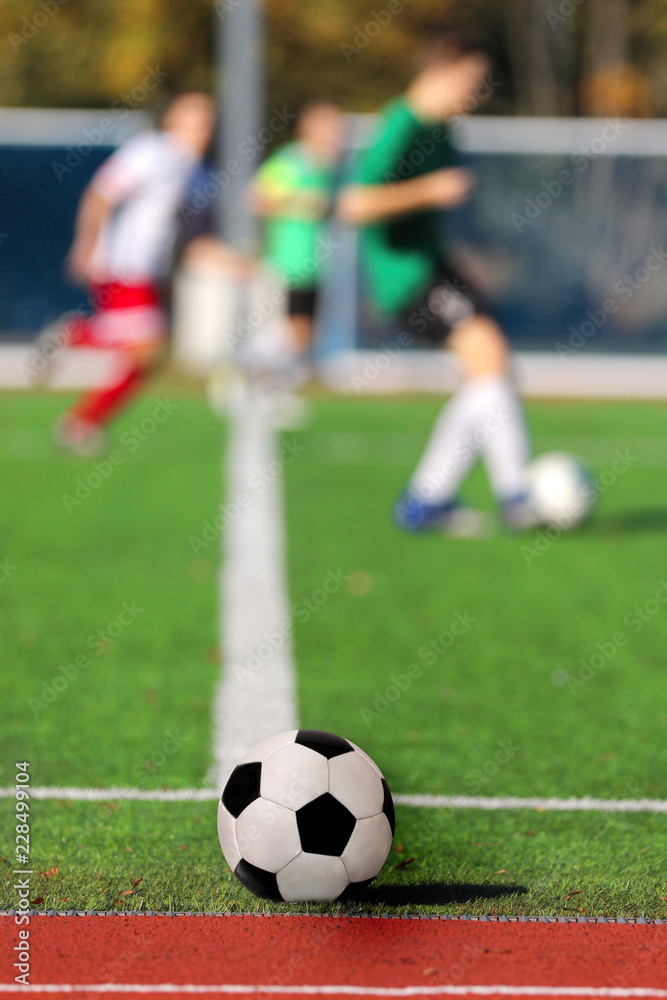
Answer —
413 515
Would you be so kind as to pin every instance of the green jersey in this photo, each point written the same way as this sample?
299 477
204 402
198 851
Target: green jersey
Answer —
290 239
401 256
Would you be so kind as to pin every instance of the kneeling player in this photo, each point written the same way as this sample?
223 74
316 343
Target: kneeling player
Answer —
407 176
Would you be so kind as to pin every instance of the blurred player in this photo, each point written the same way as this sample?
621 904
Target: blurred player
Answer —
122 250
294 193
407 176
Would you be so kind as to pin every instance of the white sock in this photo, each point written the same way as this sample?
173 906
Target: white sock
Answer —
507 451
485 417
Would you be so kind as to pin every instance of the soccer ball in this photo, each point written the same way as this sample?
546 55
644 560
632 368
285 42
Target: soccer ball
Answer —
561 489
304 815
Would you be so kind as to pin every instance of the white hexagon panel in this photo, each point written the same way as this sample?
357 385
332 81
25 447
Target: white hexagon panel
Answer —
367 849
356 784
227 836
267 835
293 776
312 878
263 749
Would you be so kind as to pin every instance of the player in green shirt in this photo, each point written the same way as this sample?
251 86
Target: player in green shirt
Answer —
294 193
408 175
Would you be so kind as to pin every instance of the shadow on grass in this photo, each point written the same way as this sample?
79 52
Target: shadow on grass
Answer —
644 521
431 893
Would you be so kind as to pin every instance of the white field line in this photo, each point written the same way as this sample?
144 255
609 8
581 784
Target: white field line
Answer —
251 705
585 804
115 794
254 704
344 990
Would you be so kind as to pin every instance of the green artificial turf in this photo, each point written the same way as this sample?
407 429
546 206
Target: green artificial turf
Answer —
500 709
108 623
450 861
510 684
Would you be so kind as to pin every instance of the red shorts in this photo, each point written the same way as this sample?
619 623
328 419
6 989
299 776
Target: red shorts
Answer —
125 316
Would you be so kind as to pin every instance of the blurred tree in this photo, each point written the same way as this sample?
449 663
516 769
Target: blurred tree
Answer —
618 89
552 56
360 53
607 38
90 53
614 75
649 21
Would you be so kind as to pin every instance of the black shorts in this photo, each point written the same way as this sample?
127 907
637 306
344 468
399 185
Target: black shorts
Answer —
449 301
302 302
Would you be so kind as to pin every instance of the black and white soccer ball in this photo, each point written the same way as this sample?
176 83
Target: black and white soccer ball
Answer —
305 815
561 488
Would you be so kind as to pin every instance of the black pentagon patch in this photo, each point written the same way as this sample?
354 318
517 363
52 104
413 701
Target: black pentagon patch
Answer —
388 807
325 743
264 884
325 826
242 788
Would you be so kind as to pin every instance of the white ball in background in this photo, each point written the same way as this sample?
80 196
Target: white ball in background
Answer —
561 489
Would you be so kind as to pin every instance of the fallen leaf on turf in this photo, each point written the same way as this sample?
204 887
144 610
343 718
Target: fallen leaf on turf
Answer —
129 849
575 892
52 871
404 864
431 970
500 871
399 849
183 847
135 884
38 899
127 892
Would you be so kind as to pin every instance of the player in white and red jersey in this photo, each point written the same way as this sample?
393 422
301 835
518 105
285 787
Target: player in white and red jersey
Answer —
122 250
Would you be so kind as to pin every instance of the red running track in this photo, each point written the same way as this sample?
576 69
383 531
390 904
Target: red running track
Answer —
336 957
